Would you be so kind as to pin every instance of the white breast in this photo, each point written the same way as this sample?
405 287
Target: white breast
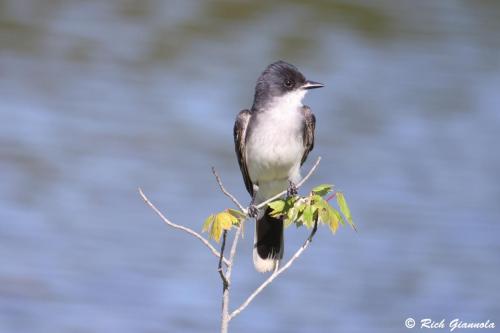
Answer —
275 146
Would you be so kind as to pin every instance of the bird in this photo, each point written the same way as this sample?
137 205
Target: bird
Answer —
272 140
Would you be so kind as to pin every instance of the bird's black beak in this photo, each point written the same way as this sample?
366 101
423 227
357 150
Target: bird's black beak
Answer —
312 85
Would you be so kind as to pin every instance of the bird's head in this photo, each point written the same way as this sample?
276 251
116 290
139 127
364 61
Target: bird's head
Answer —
282 81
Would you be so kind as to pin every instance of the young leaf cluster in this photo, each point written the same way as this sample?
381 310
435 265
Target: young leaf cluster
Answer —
215 224
298 210
305 211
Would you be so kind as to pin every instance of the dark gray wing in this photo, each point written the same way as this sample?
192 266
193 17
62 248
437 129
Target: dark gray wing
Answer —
240 131
308 134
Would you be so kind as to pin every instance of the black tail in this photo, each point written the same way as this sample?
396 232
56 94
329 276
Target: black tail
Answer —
268 243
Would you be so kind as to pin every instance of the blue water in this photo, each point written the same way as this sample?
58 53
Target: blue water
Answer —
98 98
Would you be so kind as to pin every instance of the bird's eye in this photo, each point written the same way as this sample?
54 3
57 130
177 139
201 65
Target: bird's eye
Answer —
288 83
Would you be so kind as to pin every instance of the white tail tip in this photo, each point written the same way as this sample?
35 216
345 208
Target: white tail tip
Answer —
264 265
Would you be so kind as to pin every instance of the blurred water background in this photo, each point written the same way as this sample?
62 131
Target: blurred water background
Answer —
100 97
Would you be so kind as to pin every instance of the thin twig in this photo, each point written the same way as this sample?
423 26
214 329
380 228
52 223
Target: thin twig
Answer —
226 277
232 254
183 228
225 282
275 273
262 204
232 197
225 317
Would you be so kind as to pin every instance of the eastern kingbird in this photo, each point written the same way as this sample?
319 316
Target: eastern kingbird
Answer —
272 141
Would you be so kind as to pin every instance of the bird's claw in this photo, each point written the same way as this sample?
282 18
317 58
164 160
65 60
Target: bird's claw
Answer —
253 211
292 190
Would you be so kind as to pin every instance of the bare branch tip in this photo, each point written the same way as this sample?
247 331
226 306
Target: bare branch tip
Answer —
143 196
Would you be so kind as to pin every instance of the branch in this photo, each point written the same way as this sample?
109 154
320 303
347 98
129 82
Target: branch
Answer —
276 273
226 276
225 282
313 168
233 250
180 227
225 317
232 197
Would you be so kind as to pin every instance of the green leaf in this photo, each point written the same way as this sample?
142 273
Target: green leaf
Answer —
216 230
316 199
225 220
324 215
344 208
287 222
290 202
236 213
291 210
322 190
277 206
307 216
335 218
215 224
290 216
208 222
301 207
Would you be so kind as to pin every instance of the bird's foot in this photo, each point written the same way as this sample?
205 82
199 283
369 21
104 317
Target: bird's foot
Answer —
292 190
253 211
